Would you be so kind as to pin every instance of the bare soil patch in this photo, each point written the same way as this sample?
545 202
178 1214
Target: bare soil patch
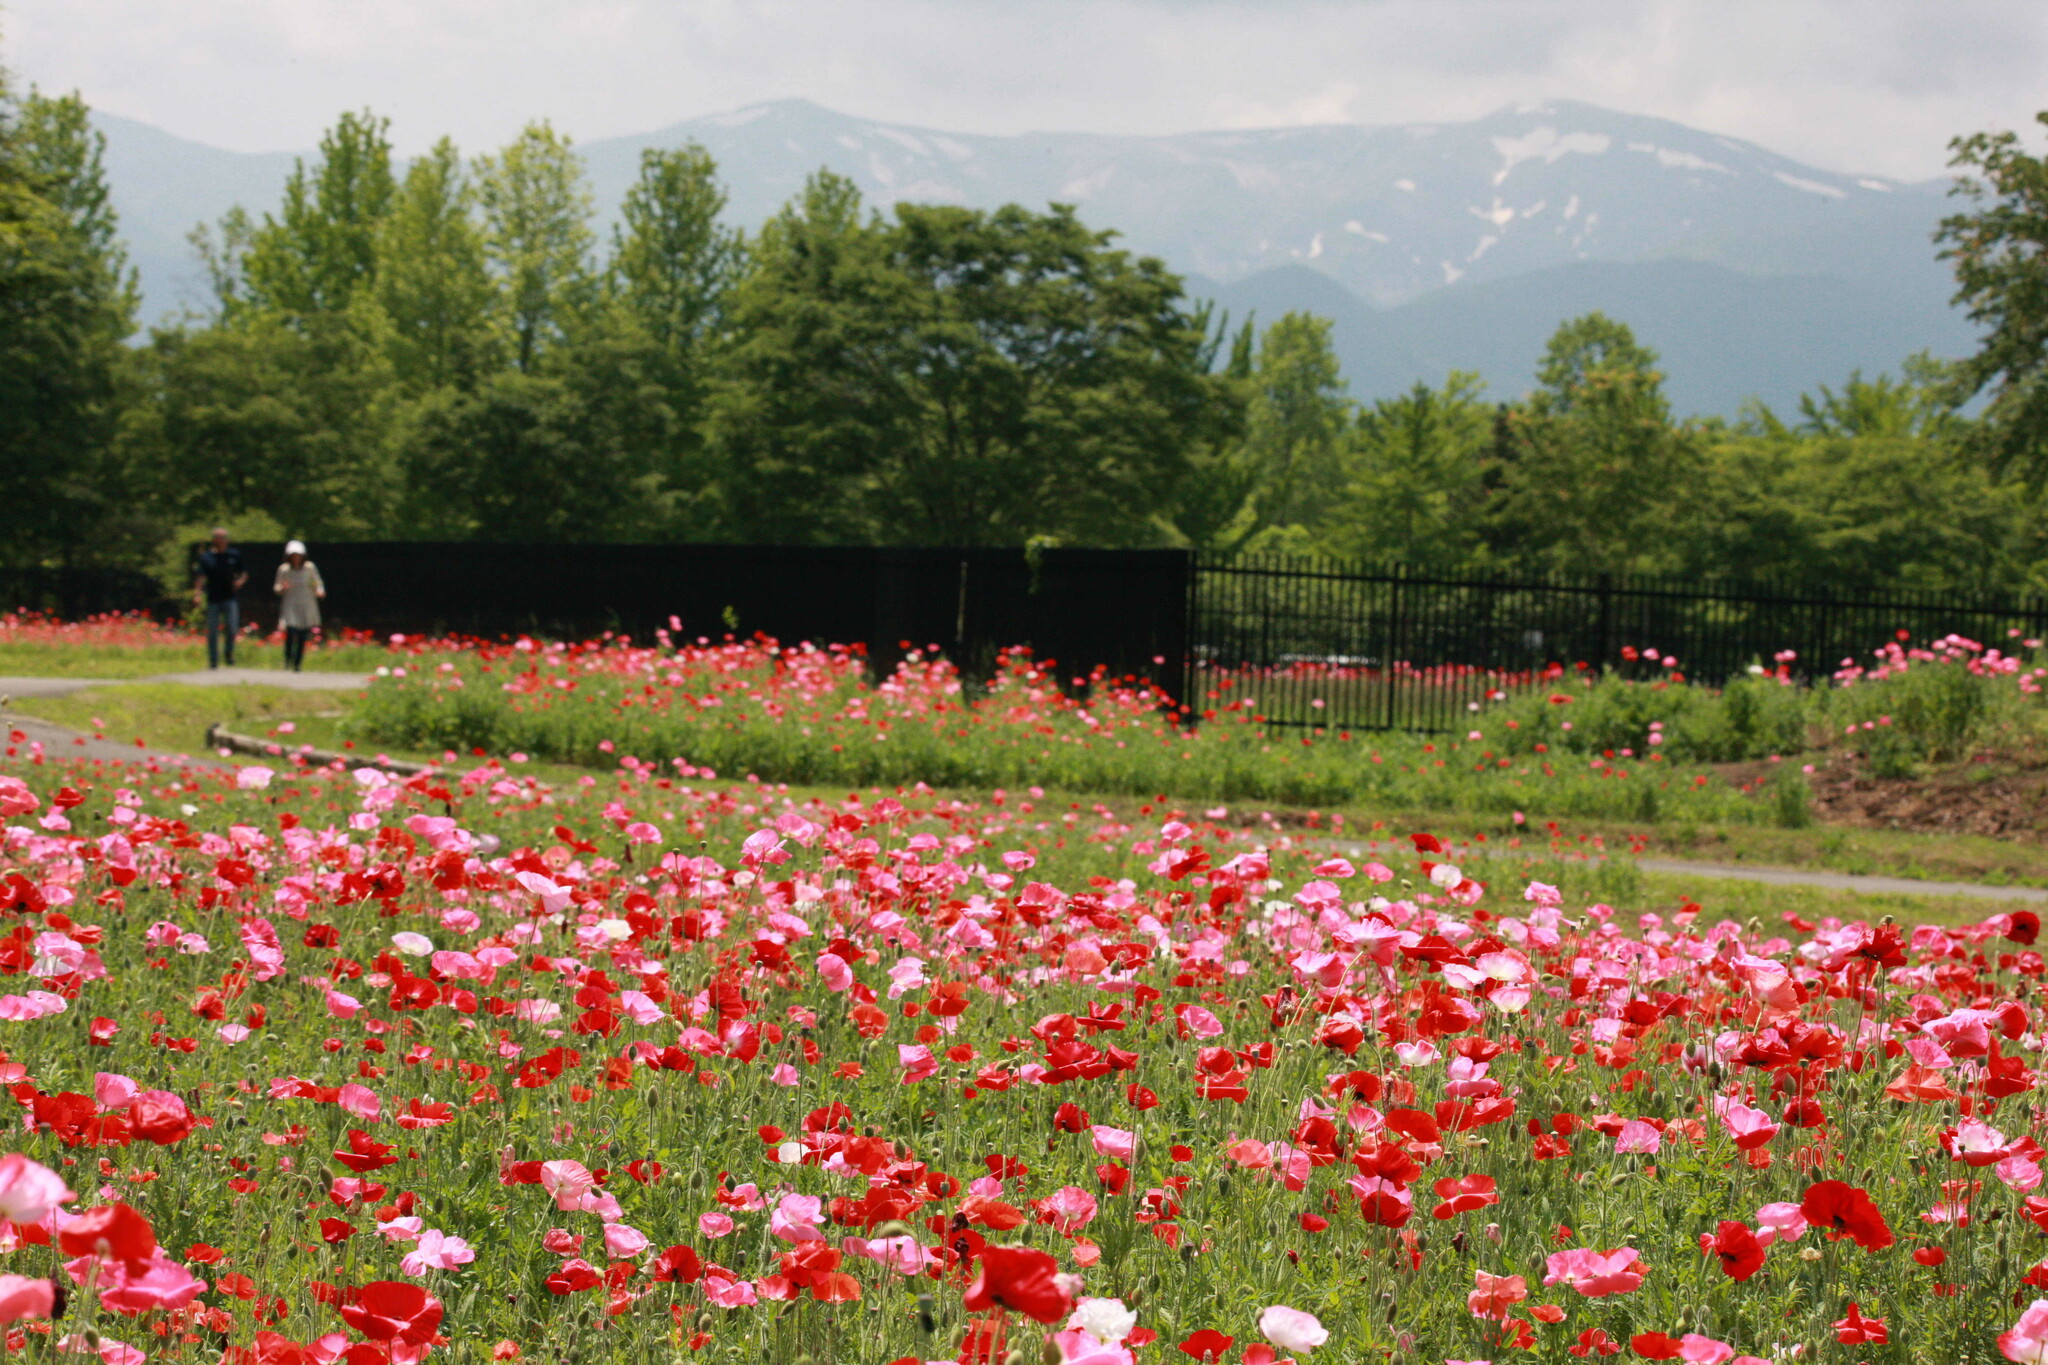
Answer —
2000 795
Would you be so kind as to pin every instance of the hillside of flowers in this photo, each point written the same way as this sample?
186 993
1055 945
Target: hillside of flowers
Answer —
333 1066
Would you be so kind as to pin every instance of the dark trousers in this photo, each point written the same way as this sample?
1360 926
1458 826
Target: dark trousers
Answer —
223 624
295 639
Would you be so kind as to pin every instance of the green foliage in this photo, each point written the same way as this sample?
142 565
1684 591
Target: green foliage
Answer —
954 377
1929 713
537 237
1791 798
1750 718
321 248
433 282
1416 478
1590 470
67 301
1012 737
1898 718
1999 247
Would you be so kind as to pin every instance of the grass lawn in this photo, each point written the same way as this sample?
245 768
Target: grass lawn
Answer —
175 716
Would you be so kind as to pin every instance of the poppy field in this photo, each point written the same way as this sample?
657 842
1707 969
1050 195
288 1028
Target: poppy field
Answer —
811 715
669 1063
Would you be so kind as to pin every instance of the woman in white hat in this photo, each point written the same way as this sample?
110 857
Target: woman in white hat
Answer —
299 591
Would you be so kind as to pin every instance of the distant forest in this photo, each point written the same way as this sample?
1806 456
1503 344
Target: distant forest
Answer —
447 350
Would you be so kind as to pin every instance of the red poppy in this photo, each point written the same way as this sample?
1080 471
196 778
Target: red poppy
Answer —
1593 1341
1740 1252
1020 1278
1654 1346
387 1310
574 1277
1846 1210
1464 1195
1857 1330
678 1263
160 1117
115 1231
1207 1344
364 1153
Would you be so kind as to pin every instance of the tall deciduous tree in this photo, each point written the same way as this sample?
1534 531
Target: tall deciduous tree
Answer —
537 235
66 303
957 377
1591 464
313 257
673 263
1416 492
1999 249
432 280
1295 426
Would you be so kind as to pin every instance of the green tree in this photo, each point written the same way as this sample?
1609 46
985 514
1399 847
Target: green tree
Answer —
67 302
259 416
1917 405
1212 497
673 264
321 248
1295 427
956 377
533 457
1856 499
646 368
1416 489
537 237
1999 251
1590 469
432 280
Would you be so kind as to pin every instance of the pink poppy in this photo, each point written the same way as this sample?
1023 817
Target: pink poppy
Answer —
1596 1274
29 1190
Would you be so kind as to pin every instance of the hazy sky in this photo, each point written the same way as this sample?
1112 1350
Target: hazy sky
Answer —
1850 85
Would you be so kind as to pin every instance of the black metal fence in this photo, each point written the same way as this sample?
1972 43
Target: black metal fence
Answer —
1322 643
1122 609
1310 642
70 593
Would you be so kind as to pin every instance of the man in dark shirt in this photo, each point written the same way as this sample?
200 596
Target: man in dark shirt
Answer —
220 576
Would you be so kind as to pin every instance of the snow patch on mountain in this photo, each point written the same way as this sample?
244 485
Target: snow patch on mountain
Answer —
1547 145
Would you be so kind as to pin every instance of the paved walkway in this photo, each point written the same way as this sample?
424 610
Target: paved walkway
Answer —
205 677
1790 876
61 744
1843 881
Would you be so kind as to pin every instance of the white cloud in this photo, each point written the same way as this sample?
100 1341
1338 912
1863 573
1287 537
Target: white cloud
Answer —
1870 86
